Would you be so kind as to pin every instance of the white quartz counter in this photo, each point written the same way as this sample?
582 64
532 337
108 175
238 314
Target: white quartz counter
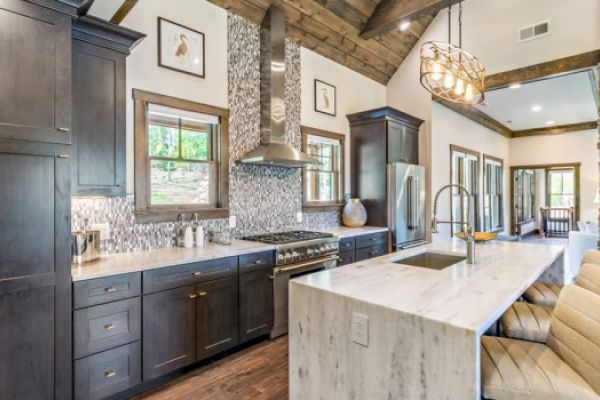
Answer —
344 231
159 258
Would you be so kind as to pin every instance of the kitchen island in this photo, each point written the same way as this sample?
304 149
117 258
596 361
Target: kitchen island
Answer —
383 330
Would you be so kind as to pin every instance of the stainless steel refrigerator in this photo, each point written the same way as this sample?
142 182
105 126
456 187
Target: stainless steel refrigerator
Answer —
406 204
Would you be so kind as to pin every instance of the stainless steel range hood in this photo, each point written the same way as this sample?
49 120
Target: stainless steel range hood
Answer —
273 150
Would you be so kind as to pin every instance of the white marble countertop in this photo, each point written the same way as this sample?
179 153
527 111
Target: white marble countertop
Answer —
468 296
158 258
344 231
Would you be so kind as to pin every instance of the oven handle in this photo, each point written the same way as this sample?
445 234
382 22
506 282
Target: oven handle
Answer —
305 264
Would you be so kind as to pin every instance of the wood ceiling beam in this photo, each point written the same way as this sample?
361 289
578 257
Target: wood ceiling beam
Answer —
556 130
122 12
389 13
543 70
477 116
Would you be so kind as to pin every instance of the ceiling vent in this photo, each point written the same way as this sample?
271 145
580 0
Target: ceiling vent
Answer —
534 31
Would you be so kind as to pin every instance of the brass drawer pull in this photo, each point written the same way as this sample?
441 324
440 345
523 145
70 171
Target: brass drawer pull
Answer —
192 296
271 277
259 262
201 293
110 289
109 327
197 273
63 130
373 239
110 374
373 253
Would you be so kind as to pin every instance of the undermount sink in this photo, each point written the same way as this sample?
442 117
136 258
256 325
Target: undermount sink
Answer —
431 260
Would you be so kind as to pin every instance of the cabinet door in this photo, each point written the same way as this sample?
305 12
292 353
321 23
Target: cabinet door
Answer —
217 316
98 120
35 327
35 83
395 134
256 304
410 145
169 331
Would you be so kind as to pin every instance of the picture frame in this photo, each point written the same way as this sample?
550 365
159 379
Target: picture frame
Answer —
180 48
325 98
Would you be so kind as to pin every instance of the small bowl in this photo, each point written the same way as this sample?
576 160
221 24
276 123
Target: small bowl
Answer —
479 236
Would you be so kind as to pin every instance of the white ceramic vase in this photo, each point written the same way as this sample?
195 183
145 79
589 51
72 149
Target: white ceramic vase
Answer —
354 214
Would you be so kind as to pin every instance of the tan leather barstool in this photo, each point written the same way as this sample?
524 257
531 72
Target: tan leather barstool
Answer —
531 321
567 368
546 294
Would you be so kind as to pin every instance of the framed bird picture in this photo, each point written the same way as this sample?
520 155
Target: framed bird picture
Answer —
325 99
180 48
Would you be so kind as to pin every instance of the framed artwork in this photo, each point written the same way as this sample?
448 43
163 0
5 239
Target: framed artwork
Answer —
325 100
180 48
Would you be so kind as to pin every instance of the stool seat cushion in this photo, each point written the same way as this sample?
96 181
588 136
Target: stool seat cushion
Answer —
527 322
544 294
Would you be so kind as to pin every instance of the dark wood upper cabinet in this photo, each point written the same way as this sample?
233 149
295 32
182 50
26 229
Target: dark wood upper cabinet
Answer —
35 84
35 274
380 137
99 92
217 316
256 303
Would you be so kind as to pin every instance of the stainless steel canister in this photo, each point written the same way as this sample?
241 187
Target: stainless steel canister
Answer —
85 246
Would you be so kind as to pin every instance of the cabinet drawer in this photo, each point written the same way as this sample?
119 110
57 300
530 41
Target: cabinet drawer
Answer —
371 239
106 326
105 290
370 252
105 374
188 274
256 261
347 244
346 257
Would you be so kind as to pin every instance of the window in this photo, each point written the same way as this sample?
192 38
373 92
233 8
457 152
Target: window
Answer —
181 158
493 194
561 188
323 184
464 171
524 196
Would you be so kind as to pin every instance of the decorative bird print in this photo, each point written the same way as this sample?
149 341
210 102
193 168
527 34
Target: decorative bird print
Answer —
182 49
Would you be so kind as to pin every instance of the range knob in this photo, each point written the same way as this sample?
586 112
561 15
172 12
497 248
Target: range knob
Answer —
288 257
323 249
309 252
280 258
295 255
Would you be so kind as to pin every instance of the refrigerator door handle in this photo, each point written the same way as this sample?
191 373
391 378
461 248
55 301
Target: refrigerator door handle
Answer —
415 203
409 199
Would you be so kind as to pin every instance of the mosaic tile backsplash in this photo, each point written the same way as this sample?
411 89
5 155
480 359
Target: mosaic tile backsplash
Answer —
263 199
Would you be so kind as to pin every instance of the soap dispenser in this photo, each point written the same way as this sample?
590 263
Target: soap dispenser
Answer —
198 231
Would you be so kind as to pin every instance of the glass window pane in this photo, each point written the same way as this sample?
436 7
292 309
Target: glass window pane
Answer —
174 182
325 186
163 141
195 145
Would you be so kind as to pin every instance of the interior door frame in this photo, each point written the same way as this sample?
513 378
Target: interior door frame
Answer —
576 167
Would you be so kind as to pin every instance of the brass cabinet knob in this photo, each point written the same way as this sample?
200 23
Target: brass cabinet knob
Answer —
109 327
192 296
271 277
201 293
110 374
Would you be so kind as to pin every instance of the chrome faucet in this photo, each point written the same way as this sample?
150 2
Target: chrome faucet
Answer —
467 226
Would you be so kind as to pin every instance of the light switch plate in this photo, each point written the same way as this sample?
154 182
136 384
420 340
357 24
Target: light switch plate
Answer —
360 329
232 221
299 216
104 230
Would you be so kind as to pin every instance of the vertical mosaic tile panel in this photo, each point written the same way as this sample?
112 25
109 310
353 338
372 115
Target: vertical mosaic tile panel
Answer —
263 199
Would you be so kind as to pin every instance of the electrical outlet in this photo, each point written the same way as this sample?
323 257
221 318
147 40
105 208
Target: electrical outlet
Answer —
360 329
232 221
299 216
104 230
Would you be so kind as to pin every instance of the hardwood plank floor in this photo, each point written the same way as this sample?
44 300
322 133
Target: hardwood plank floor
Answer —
259 372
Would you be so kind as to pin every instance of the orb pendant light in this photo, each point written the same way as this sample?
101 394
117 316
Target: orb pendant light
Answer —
450 72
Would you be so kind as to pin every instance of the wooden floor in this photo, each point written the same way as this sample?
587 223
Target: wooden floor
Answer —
259 372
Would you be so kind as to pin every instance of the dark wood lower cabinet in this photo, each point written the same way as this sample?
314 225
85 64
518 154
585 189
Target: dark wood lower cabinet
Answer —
256 304
217 316
169 331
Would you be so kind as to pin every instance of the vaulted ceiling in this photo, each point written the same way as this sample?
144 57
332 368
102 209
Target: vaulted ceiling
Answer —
333 29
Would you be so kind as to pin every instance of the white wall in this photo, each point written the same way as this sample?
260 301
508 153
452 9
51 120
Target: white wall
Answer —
354 93
568 148
449 128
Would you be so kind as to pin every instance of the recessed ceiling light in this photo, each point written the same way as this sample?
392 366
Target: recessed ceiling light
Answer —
509 122
515 86
536 108
404 25
550 122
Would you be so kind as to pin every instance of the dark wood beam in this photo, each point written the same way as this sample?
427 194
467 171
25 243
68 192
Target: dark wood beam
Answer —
477 116
543 70
122 12
389 13
556 130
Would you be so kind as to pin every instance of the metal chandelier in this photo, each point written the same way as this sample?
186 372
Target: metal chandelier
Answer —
450 72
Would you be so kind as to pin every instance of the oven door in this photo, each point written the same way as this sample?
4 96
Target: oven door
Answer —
281 288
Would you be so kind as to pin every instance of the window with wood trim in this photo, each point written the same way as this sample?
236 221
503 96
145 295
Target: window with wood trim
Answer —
181 158
493 194
323 184
464 170
561 188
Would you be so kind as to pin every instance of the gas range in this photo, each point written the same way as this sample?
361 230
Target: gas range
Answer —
298 246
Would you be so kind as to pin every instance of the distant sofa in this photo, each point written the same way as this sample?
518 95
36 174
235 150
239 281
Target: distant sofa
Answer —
579 242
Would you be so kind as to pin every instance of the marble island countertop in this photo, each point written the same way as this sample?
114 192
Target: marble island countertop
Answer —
469 296
345 231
